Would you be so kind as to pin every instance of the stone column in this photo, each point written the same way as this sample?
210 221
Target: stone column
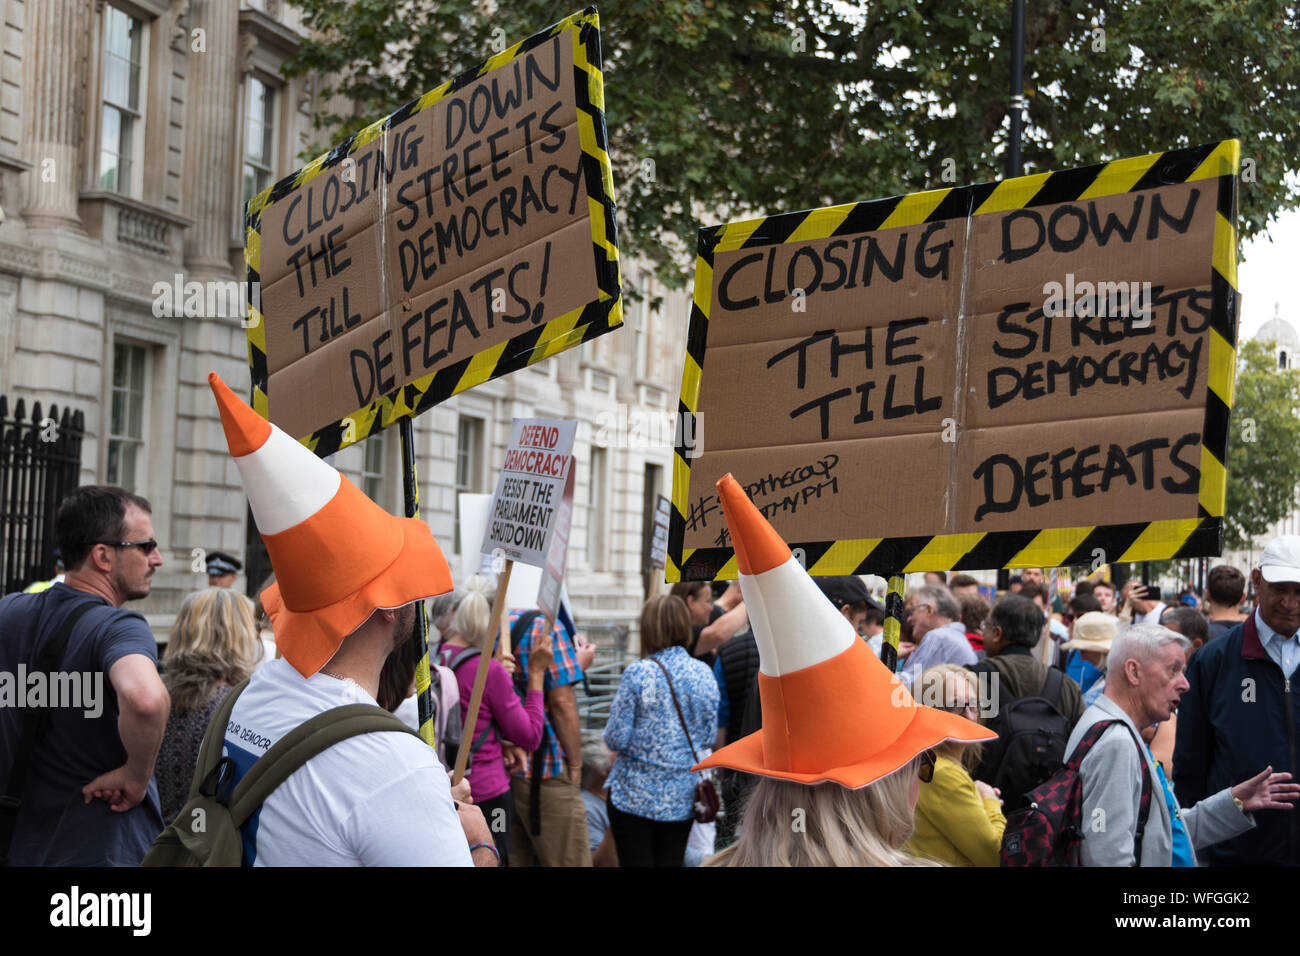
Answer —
56 54
212 138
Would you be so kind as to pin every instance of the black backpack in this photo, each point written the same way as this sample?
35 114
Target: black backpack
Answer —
1051 829
1032 734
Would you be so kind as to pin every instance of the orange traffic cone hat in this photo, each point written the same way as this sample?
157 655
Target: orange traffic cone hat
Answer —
831 710
337 555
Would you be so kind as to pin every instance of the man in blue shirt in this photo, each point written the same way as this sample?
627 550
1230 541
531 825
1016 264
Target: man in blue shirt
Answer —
89 798
940 637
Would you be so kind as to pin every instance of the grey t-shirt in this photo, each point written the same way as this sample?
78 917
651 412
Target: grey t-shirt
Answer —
56 827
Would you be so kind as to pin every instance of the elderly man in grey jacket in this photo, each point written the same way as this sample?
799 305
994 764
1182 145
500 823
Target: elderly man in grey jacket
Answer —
1144 681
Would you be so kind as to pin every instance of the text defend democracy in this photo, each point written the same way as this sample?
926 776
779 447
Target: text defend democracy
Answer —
533 462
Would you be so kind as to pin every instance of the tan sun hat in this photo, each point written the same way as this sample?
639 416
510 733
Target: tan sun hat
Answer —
1093 631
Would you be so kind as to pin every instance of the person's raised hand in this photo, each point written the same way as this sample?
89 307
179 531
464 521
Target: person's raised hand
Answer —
508 662
1136 592
586 651
540 657
1267 791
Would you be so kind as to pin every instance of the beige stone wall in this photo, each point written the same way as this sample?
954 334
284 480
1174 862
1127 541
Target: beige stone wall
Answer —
78 267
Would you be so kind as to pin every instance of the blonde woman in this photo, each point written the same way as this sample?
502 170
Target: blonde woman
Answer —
794 824
959 820
213 646
844 750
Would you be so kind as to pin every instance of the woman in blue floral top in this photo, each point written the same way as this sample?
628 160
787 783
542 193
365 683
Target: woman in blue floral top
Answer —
651 788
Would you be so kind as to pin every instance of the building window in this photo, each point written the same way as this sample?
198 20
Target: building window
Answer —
259 138
469 468
123 124
372 467
1283 359
636 312
126 422
598 511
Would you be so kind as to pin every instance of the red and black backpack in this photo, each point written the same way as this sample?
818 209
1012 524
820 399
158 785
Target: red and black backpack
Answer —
1049 831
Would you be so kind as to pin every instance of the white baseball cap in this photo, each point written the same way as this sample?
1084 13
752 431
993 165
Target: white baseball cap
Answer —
1281 559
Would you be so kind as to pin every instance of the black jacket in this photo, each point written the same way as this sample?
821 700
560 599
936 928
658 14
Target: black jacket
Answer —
1238 717
739 658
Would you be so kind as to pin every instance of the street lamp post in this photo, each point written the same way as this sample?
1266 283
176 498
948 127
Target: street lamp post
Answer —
1017 85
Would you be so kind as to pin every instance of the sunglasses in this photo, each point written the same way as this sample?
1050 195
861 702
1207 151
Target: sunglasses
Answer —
146 547
926 771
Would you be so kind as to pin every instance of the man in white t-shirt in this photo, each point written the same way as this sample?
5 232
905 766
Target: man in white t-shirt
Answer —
348 579
379 799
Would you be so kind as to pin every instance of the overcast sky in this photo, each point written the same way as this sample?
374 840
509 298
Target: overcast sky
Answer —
1267 275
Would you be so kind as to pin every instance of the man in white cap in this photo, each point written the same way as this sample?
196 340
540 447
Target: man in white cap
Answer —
1241 714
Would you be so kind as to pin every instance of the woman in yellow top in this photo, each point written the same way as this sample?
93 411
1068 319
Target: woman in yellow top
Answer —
959 820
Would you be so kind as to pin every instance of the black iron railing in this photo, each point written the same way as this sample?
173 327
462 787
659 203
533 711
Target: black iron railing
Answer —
40 463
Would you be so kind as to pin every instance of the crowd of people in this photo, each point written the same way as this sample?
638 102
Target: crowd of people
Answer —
759 726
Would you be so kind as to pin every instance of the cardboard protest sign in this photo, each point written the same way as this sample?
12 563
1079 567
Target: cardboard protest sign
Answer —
465 236
530 502
1037 371
551 588
525 579
658 555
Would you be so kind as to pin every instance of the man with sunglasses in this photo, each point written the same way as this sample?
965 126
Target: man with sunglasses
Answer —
81 793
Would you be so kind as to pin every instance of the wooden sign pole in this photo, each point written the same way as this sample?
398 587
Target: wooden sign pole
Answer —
480 677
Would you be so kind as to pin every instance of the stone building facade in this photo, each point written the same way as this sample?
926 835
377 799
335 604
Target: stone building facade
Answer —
131 131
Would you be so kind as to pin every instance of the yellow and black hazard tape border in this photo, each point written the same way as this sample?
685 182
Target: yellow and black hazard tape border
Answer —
1051 547
597 317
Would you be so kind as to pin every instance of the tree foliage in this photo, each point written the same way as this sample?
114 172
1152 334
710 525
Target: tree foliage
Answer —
1263 446
717 109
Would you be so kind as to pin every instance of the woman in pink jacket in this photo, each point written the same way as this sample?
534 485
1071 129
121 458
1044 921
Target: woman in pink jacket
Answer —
501 715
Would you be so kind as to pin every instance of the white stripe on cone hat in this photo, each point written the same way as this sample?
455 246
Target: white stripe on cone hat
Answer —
831 710
337 555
